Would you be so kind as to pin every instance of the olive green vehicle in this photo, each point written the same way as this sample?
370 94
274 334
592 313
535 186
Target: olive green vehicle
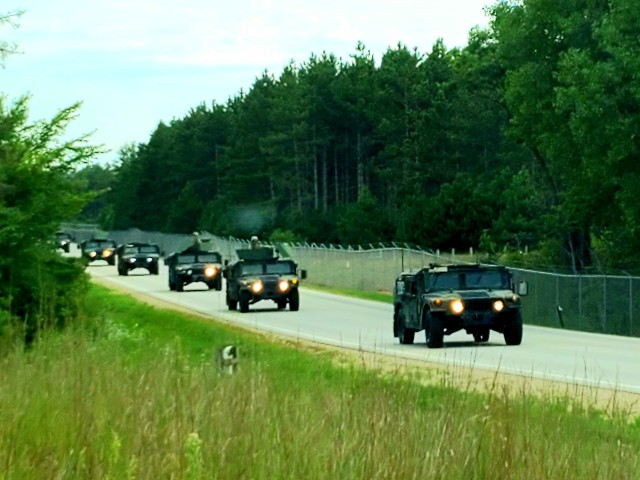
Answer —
138 255
99 249
259 274
444 299
193 265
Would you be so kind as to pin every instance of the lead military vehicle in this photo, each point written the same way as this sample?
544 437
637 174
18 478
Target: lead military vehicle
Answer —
443 299
138 255
193 265
259 274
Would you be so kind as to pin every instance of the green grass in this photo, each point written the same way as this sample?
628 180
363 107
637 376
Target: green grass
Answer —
386 297
135 393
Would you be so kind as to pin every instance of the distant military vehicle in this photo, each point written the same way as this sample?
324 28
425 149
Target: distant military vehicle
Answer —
138 255
63 241
443 299
193 265
259 274
99 249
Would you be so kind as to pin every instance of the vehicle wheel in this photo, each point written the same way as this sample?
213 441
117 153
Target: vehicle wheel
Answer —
125 271
434 331
244 302
481 336
172 286
282 303
513 331
179 286
210 285
232 304
154 270
111 261
406 336
294 301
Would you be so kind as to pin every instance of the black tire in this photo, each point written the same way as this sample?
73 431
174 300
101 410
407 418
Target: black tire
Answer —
244 302
154 270
406 336
434 331
294 300
111 261
219 284
232 304
282 303
211 285
172 286
513 331
179 285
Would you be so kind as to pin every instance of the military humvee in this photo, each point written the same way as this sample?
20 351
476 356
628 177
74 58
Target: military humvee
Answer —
192 265
138 255
259 274
443 299
99 249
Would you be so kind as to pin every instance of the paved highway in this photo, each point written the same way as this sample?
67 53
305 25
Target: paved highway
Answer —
573 357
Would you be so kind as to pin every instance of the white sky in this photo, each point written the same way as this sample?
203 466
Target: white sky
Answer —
134 63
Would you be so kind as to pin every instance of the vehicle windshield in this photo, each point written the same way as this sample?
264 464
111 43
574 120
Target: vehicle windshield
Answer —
63 236
186 258
252 269
281 268
133 249
477 279
199 258
209 258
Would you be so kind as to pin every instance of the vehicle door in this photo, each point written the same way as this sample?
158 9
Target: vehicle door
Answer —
410 303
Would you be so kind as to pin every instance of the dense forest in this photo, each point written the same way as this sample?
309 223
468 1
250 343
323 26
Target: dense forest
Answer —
525 139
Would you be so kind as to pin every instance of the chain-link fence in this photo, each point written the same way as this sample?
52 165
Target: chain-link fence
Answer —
592 303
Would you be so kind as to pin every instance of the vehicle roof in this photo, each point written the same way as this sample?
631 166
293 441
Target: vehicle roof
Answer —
453 267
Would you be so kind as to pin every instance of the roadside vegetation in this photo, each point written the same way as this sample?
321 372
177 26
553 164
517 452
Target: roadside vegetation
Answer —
134 392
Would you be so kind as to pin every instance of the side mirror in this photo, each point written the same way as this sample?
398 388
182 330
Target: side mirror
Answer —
303 274
522 289
226 262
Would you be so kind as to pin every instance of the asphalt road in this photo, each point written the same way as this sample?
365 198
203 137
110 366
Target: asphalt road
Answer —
604 361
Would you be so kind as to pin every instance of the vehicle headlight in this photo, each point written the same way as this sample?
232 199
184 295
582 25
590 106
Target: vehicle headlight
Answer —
92 254
283 285
132 260
437 302
256 287
107 253
189 272
498 305
457 306
210 271
149 259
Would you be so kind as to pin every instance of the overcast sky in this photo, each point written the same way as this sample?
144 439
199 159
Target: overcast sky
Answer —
134 63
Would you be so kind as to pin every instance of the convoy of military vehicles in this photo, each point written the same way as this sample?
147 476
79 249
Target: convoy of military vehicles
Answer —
437 299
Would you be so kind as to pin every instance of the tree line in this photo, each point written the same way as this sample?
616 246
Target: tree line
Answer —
526 138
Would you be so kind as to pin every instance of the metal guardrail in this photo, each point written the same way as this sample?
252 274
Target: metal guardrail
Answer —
591 303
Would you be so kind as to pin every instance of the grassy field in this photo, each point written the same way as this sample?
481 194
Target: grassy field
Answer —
135 393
